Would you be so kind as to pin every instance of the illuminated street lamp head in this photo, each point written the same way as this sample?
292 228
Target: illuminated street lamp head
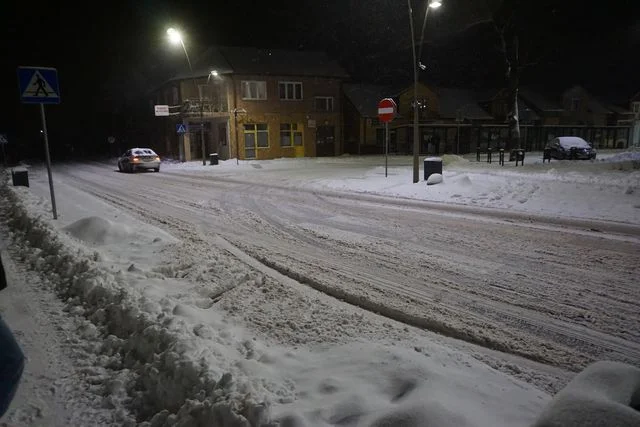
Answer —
214 73
434 4
174 36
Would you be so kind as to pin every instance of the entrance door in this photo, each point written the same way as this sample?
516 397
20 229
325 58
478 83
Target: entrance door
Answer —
298 144
325 141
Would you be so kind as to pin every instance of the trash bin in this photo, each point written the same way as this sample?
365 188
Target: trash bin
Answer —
20 177
213 159
432 165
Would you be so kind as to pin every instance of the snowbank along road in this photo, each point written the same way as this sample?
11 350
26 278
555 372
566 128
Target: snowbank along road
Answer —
563 295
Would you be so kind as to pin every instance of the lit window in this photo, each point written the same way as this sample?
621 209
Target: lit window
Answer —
290 135
255 136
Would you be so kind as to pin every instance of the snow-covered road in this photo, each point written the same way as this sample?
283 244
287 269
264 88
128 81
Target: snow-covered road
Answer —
563 294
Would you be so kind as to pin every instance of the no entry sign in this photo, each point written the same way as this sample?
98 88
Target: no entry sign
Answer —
386 110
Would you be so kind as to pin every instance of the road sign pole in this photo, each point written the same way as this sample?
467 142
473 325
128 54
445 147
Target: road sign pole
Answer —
48 157
386 148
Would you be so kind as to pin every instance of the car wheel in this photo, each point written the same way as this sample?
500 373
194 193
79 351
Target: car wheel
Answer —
157 169
119 167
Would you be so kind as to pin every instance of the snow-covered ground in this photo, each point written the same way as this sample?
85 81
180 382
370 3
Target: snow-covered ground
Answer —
607 188
186 303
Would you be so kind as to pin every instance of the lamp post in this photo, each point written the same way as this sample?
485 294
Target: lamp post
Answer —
433 4
176 38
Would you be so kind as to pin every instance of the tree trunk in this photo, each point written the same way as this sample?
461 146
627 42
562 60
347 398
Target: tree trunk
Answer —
513 80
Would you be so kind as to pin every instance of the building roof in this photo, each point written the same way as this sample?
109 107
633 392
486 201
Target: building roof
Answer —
597 107
538 100
618 109
251 60
453 99
365 97
525 113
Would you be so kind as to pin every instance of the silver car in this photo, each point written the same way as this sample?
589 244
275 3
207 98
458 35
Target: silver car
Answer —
139 158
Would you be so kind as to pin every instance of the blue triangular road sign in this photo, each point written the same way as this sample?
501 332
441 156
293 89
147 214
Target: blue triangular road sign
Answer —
181 128
38 85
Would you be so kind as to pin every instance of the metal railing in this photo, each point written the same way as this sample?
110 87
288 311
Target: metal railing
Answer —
209 106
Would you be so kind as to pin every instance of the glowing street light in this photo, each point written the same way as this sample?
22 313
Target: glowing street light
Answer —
417 64
176 38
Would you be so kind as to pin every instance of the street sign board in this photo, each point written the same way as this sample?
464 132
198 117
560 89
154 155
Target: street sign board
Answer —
181 128
386 110
3 139
38 85
161 110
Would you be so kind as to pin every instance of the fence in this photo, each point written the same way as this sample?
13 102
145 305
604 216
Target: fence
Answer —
444 138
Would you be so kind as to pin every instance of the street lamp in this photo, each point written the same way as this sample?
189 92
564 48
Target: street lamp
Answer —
417 64
176 38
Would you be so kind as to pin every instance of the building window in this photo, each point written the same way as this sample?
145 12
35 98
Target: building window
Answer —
290 91
290 135
575 104
254 90
324 103
255 136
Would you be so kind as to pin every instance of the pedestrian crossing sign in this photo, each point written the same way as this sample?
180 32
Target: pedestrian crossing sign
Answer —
38 85
181 128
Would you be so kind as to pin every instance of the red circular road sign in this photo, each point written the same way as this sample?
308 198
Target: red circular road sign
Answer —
386 110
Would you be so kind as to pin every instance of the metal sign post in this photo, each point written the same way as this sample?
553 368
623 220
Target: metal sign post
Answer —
39 85
48 158
386 148
386 111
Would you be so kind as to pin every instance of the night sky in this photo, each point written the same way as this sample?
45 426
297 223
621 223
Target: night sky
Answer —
112 54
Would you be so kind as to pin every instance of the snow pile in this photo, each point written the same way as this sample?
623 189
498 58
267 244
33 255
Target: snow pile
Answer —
146 362
604 190
374 386
434 178
604 394
626 156
98 231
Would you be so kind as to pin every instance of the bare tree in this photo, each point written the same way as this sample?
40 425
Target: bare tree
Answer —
504 14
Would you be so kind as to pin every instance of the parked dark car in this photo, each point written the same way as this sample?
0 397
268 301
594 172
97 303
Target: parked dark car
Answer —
139 158
571 148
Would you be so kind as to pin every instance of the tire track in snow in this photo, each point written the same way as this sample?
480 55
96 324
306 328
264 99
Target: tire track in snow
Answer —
286 239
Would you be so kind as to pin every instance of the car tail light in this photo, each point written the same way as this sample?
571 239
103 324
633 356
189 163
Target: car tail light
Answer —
157 159
136 159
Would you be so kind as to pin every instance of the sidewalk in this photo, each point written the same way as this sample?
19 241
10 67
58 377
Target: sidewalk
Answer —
55 389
